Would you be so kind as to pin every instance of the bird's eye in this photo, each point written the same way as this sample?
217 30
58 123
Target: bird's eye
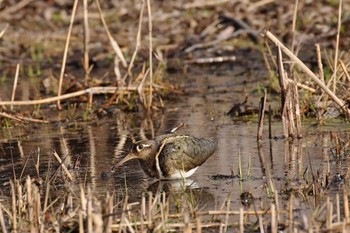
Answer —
139 147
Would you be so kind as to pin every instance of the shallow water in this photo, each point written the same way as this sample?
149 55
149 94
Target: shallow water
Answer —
100 144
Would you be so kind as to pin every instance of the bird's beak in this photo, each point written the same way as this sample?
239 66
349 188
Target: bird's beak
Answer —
130 156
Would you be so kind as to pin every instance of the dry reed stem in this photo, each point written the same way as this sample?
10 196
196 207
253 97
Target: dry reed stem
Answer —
310 89
47 189
82 211
336 55
314 77
273 219
227 215
150 53
284 91
319 62
14 209
108 211
89 210
277 206
138 38
2 220
65 53
346 207
296 107
70 177
93 90
20 203
140 88
291 211
198 225
15 85
241 219
113 42
294 24
86 41
345 70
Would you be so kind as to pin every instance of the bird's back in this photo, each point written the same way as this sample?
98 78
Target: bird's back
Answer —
182 153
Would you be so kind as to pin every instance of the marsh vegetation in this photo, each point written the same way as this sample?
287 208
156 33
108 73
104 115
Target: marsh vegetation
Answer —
80 81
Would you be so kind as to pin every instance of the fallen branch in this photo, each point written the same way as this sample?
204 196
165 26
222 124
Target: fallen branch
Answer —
92 90
313 76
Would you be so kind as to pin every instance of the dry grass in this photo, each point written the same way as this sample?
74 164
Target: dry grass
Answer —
181 33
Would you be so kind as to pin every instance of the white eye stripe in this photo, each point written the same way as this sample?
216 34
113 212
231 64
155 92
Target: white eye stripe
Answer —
141 147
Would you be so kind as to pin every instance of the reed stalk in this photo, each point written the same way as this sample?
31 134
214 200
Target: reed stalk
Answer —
65 53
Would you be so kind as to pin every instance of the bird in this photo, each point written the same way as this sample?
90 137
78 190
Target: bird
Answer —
170 156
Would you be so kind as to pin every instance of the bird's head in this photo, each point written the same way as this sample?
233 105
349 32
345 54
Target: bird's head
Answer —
142 150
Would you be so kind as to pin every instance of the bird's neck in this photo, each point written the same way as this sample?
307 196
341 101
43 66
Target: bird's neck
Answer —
149 167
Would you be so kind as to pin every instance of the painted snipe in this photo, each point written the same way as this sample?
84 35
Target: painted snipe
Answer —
171 156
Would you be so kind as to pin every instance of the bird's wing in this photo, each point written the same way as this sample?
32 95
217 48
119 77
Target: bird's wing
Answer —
185 153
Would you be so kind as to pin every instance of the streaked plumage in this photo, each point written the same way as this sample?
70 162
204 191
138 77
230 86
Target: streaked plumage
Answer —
171 156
